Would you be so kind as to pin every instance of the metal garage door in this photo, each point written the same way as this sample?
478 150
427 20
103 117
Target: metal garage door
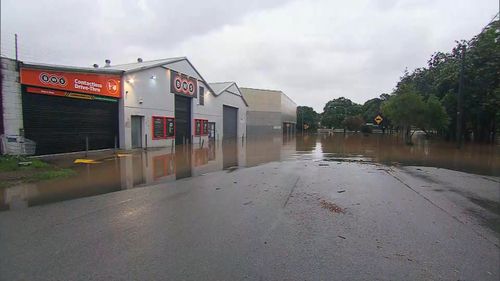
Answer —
230 122
182 120
61 124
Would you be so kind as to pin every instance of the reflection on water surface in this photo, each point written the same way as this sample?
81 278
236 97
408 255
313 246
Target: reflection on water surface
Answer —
141 168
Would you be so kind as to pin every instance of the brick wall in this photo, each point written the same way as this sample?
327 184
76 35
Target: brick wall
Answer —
11 105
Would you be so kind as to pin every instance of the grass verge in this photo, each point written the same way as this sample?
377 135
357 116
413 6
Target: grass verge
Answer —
55 174
19 170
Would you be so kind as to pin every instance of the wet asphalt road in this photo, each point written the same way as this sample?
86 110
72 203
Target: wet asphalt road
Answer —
267 223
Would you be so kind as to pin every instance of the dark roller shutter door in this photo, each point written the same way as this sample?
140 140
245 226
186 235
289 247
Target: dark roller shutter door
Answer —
60 124
182 120
230 123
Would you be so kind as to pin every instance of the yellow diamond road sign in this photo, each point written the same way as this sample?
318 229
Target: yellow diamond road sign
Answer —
379 119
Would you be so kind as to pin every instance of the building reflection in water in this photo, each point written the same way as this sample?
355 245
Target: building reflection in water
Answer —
142 168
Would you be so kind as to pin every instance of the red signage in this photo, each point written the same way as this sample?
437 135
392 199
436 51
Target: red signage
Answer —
90 83
51 92
182 84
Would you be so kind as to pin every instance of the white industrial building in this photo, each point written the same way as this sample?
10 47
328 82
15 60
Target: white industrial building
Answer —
150 95
142 104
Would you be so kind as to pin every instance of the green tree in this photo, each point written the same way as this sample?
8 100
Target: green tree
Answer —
336 110
371 108
408 109
405 110
354 123
307 116
434 116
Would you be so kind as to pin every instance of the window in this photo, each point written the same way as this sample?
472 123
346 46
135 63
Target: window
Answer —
170 127
197 127
163 127
205 127
200 127
202 96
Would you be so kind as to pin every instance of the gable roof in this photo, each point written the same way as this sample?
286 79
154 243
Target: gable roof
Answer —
139 66
221 87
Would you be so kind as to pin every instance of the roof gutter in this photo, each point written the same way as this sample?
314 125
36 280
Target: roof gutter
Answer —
71 68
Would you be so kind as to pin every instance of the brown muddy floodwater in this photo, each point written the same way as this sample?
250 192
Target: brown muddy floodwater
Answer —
142 168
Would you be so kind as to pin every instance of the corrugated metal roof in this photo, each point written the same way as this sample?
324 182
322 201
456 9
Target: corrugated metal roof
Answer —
143 65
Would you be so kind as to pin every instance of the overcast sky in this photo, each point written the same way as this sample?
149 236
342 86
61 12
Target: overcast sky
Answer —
313 51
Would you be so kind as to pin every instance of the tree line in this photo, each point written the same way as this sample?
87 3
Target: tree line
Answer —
427 98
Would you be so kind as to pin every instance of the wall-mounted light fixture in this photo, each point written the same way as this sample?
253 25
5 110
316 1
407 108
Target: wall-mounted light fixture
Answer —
153 77
130 80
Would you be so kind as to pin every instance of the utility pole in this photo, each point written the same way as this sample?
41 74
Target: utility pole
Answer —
460 99
15 42
302 117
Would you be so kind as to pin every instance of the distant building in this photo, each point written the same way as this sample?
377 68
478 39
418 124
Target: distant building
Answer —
269 111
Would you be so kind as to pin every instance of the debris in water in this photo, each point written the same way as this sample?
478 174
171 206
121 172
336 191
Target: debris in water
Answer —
235 182
85 161
217 188
123 154
340 191
324 165
341 236
331 207
248 202
231 169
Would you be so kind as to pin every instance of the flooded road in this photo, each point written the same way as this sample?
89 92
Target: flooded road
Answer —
141 168
309 208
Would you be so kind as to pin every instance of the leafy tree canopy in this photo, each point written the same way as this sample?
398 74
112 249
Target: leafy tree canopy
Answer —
336 110
307 116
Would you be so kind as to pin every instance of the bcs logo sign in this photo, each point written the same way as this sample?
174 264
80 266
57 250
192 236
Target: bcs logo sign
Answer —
80 82
182 84
46 78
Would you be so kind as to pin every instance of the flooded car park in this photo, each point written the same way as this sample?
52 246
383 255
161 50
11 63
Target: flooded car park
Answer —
140 168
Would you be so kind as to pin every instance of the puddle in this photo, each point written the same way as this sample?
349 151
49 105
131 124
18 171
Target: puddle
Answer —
142 168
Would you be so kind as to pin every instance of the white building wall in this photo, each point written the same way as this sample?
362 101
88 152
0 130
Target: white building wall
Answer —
148 97
213 109
11 98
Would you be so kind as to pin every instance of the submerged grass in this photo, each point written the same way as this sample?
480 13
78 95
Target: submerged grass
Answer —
11 163
19 170
49 175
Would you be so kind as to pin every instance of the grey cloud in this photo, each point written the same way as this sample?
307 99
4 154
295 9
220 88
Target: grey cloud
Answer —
82 32
313 50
